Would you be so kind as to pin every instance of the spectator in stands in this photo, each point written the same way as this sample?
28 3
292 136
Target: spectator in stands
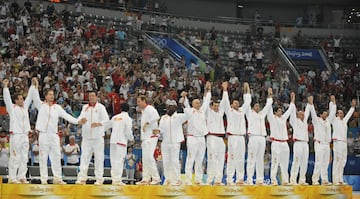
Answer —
72 150
121 37
130 163
78 8
4 153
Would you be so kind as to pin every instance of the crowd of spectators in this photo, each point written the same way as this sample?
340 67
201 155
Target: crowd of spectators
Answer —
75 56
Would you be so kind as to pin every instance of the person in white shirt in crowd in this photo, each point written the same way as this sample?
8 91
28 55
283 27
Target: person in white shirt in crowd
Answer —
121 125
35 151
49 141
4 153
280 151
93 131
257 133
236 130
215 140
72 151
19 132
322 139
339 122
298 121
149 138
197 129
172 135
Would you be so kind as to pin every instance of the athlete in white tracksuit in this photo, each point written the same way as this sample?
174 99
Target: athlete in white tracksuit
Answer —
49 142
121 125
257 143
298 121
340 139
197 129
92 139
215 141
280 151
322 139
19 130
172 135
149 138
236 130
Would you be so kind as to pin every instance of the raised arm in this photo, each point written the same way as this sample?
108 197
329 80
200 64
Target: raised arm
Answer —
314 117
287 113
332 109
7 98
269 102
32 90
224 103
207 97
36 97
293 113
247 99
351 111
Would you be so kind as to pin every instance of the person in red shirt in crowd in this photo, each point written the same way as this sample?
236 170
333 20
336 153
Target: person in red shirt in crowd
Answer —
101 33
111 35
164 80
115 101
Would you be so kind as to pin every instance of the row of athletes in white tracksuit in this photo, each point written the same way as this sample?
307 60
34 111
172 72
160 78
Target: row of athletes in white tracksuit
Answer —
92 142
278 136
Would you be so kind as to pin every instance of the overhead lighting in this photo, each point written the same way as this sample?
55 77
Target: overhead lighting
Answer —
240 6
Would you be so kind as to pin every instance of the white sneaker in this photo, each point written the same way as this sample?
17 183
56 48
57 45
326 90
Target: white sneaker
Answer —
304 184
119 183
231 184
59 182
142 182
24 181
80 182
315 183
44 182
155 182
326 183
240 182
98 183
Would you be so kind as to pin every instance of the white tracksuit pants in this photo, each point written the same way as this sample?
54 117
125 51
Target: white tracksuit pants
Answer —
49 146
280 153
19 147
322 158
236 158
215 157
300 160
195 153
150 170
117 158
170 153
256 151
340 156
88 147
